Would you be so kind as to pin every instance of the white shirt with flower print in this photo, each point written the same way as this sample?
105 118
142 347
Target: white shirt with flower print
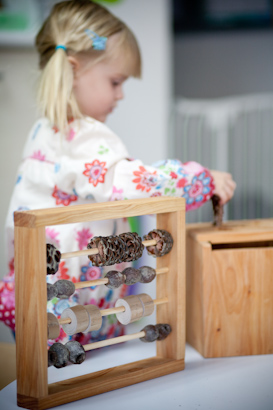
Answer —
88 164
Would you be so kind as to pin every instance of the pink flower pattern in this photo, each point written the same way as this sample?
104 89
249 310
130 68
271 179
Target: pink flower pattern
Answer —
62 198
145 180
83 237
95 171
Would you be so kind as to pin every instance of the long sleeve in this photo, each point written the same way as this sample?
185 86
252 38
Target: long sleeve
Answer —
102 171
91 164
168 178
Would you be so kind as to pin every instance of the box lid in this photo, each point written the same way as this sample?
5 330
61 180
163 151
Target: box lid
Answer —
232 231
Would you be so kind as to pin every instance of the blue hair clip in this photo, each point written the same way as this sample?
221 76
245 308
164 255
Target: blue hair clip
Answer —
98 42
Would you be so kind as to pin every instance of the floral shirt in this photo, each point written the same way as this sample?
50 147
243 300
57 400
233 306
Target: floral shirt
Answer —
89 164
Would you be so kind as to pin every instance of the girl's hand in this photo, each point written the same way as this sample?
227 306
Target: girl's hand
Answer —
224 185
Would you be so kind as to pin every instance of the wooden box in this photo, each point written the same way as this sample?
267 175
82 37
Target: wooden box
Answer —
229 295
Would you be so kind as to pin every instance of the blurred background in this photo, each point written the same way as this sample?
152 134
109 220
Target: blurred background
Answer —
206 93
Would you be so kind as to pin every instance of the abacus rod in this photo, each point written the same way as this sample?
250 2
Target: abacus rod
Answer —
113 341
114 310
88 283
160 301
95 251
104 281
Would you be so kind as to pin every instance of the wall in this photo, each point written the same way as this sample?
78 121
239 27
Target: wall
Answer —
214 65
141 119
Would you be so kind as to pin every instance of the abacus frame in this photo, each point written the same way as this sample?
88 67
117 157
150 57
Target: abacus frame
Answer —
33 390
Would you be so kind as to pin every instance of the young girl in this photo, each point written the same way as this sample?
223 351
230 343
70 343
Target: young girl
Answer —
71 157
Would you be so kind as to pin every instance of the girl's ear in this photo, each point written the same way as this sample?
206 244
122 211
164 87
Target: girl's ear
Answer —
74 64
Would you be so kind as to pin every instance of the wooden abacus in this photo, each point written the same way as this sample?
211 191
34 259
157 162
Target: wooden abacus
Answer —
33 390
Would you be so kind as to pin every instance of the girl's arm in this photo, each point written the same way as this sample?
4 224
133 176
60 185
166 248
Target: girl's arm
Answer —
98 169
133 179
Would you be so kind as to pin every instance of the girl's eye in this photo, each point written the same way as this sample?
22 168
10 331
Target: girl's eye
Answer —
115 83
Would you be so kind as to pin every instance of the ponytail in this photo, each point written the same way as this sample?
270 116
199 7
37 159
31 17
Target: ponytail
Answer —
55 97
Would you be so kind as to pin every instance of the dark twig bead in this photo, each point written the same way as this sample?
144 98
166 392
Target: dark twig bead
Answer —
151 334
62 355
163 330
76 352
132 276
147 274
115 279
52 291
52 357
64 288
218 210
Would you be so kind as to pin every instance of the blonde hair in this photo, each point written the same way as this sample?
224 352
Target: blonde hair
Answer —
66 26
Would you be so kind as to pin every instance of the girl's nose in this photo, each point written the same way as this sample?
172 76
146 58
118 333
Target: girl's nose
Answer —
119 94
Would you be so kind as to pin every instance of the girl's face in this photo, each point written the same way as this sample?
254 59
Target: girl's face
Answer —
98 88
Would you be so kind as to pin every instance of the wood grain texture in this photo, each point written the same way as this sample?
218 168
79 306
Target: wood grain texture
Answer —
229 291
233 231
238 301
198 262
103 381
33 391
97 212
173 285
30 311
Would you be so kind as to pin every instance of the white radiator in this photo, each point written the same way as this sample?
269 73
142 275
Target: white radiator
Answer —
235 135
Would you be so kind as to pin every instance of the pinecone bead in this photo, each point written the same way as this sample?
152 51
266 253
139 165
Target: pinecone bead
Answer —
99 259
115 279
164 242
133 244
147 274
53 257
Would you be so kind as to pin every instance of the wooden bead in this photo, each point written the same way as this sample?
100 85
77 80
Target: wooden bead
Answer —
79 319
95 318
148 304
136 307
53 327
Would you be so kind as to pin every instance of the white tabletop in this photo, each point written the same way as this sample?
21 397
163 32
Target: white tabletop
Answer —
234 383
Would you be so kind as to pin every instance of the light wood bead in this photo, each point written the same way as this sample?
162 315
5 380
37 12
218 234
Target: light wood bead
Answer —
136 307
79 319
148 304
53 327
95 318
